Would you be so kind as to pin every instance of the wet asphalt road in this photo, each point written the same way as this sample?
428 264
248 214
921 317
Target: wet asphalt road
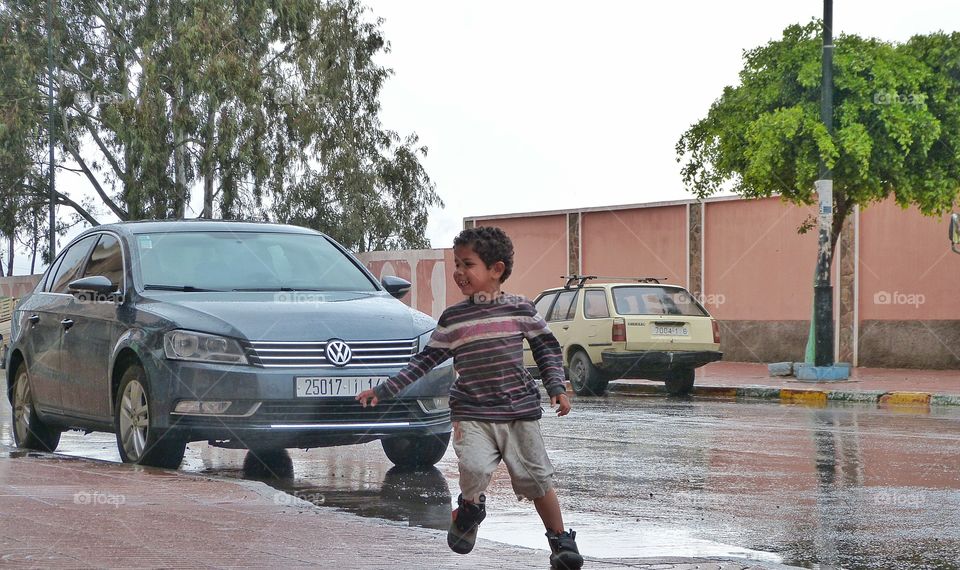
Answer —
844 486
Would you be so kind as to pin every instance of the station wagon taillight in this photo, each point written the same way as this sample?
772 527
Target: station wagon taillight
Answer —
716 331
619 330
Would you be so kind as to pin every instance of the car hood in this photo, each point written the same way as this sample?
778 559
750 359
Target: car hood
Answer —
294 316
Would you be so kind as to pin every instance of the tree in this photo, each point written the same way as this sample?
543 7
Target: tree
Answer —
268 109
897 125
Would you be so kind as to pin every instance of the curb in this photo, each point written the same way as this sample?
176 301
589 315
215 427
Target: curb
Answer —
918 401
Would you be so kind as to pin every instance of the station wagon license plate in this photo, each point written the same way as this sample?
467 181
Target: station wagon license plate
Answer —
335 386
670 330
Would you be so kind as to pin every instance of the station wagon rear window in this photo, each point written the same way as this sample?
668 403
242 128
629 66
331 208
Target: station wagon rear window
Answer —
649 300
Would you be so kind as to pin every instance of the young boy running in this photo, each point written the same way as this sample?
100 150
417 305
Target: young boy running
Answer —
494 403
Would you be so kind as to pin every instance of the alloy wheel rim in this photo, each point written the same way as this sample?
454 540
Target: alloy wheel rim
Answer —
22 408
134 420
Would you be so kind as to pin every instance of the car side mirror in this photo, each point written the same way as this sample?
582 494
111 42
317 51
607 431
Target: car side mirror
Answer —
955 232
396 286
95 283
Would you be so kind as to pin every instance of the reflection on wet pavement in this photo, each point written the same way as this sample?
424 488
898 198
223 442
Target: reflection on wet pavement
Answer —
420 497
842 486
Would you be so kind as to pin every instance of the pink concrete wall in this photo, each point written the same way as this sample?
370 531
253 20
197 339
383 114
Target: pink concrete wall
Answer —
907 270
641 242
18 285
756 265
540 252
429 271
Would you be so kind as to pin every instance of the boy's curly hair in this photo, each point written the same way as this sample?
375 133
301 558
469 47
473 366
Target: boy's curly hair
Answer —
491 244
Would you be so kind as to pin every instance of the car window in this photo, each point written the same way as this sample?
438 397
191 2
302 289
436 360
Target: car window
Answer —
71 263
655 301
595 304
565 307
227 261
543 304
106 260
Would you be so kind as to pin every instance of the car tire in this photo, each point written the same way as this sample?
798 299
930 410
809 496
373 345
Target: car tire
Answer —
29 431
416 451
679 381
138 439
585 378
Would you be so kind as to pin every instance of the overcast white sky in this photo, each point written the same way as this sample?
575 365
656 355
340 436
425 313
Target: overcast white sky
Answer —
530 106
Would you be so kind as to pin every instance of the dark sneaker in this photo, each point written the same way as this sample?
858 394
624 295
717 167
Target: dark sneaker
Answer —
463 528
563 548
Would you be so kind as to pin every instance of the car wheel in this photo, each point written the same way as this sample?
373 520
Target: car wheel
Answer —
585 378
137 438
29 431
680 381
416 451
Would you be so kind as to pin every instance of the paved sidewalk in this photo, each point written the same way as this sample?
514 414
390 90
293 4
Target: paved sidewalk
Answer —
880 386
73 513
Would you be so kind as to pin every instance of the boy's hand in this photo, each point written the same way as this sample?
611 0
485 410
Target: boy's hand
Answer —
366 395
560 399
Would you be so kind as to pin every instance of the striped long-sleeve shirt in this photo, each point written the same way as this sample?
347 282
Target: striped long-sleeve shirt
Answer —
486 343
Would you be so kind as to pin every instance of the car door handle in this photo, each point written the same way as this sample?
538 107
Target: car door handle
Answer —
565 327
33 319
67 323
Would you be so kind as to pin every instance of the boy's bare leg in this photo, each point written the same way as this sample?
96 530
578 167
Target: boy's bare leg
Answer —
548 507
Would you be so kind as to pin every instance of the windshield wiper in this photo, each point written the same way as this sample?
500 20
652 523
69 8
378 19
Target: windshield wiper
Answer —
285 289
184 288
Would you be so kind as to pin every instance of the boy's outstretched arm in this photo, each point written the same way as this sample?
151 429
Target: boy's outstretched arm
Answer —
421 363
549 358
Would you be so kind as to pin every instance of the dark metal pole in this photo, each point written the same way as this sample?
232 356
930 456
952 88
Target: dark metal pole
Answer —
823 291
52 251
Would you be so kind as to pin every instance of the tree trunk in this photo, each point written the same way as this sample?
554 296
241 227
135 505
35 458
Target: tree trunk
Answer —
182 196
208 165
34 241
10 251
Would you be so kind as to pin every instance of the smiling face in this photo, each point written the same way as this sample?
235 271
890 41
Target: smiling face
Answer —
473 276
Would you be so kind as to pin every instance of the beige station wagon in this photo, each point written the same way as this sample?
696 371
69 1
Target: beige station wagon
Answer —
628 328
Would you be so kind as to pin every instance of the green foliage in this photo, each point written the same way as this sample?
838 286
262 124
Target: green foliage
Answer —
896 124
269 108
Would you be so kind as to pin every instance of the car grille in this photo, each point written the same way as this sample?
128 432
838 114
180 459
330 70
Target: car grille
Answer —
366 354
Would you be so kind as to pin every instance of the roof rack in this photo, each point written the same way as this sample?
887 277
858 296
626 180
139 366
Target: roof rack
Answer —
581 280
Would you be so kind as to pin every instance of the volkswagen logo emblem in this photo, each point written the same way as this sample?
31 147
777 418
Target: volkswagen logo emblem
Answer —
338 353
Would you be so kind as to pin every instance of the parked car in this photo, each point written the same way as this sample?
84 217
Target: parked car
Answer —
637 328
247 335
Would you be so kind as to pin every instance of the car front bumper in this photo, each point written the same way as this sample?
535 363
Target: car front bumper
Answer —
265 411
643 363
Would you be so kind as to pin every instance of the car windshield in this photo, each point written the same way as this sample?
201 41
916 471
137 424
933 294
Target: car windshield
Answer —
655 301
246 261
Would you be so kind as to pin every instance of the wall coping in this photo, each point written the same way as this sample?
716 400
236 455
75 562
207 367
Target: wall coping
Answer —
662 204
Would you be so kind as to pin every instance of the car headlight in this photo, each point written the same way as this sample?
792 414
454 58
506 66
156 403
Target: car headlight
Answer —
201 347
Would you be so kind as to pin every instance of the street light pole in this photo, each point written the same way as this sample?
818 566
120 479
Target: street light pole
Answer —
823 291
53 189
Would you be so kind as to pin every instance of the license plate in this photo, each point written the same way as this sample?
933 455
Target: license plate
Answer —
335 386
670 330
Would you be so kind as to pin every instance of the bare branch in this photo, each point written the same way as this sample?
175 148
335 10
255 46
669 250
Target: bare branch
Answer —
116 209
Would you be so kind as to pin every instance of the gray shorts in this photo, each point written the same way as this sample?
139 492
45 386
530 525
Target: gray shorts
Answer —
480 446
